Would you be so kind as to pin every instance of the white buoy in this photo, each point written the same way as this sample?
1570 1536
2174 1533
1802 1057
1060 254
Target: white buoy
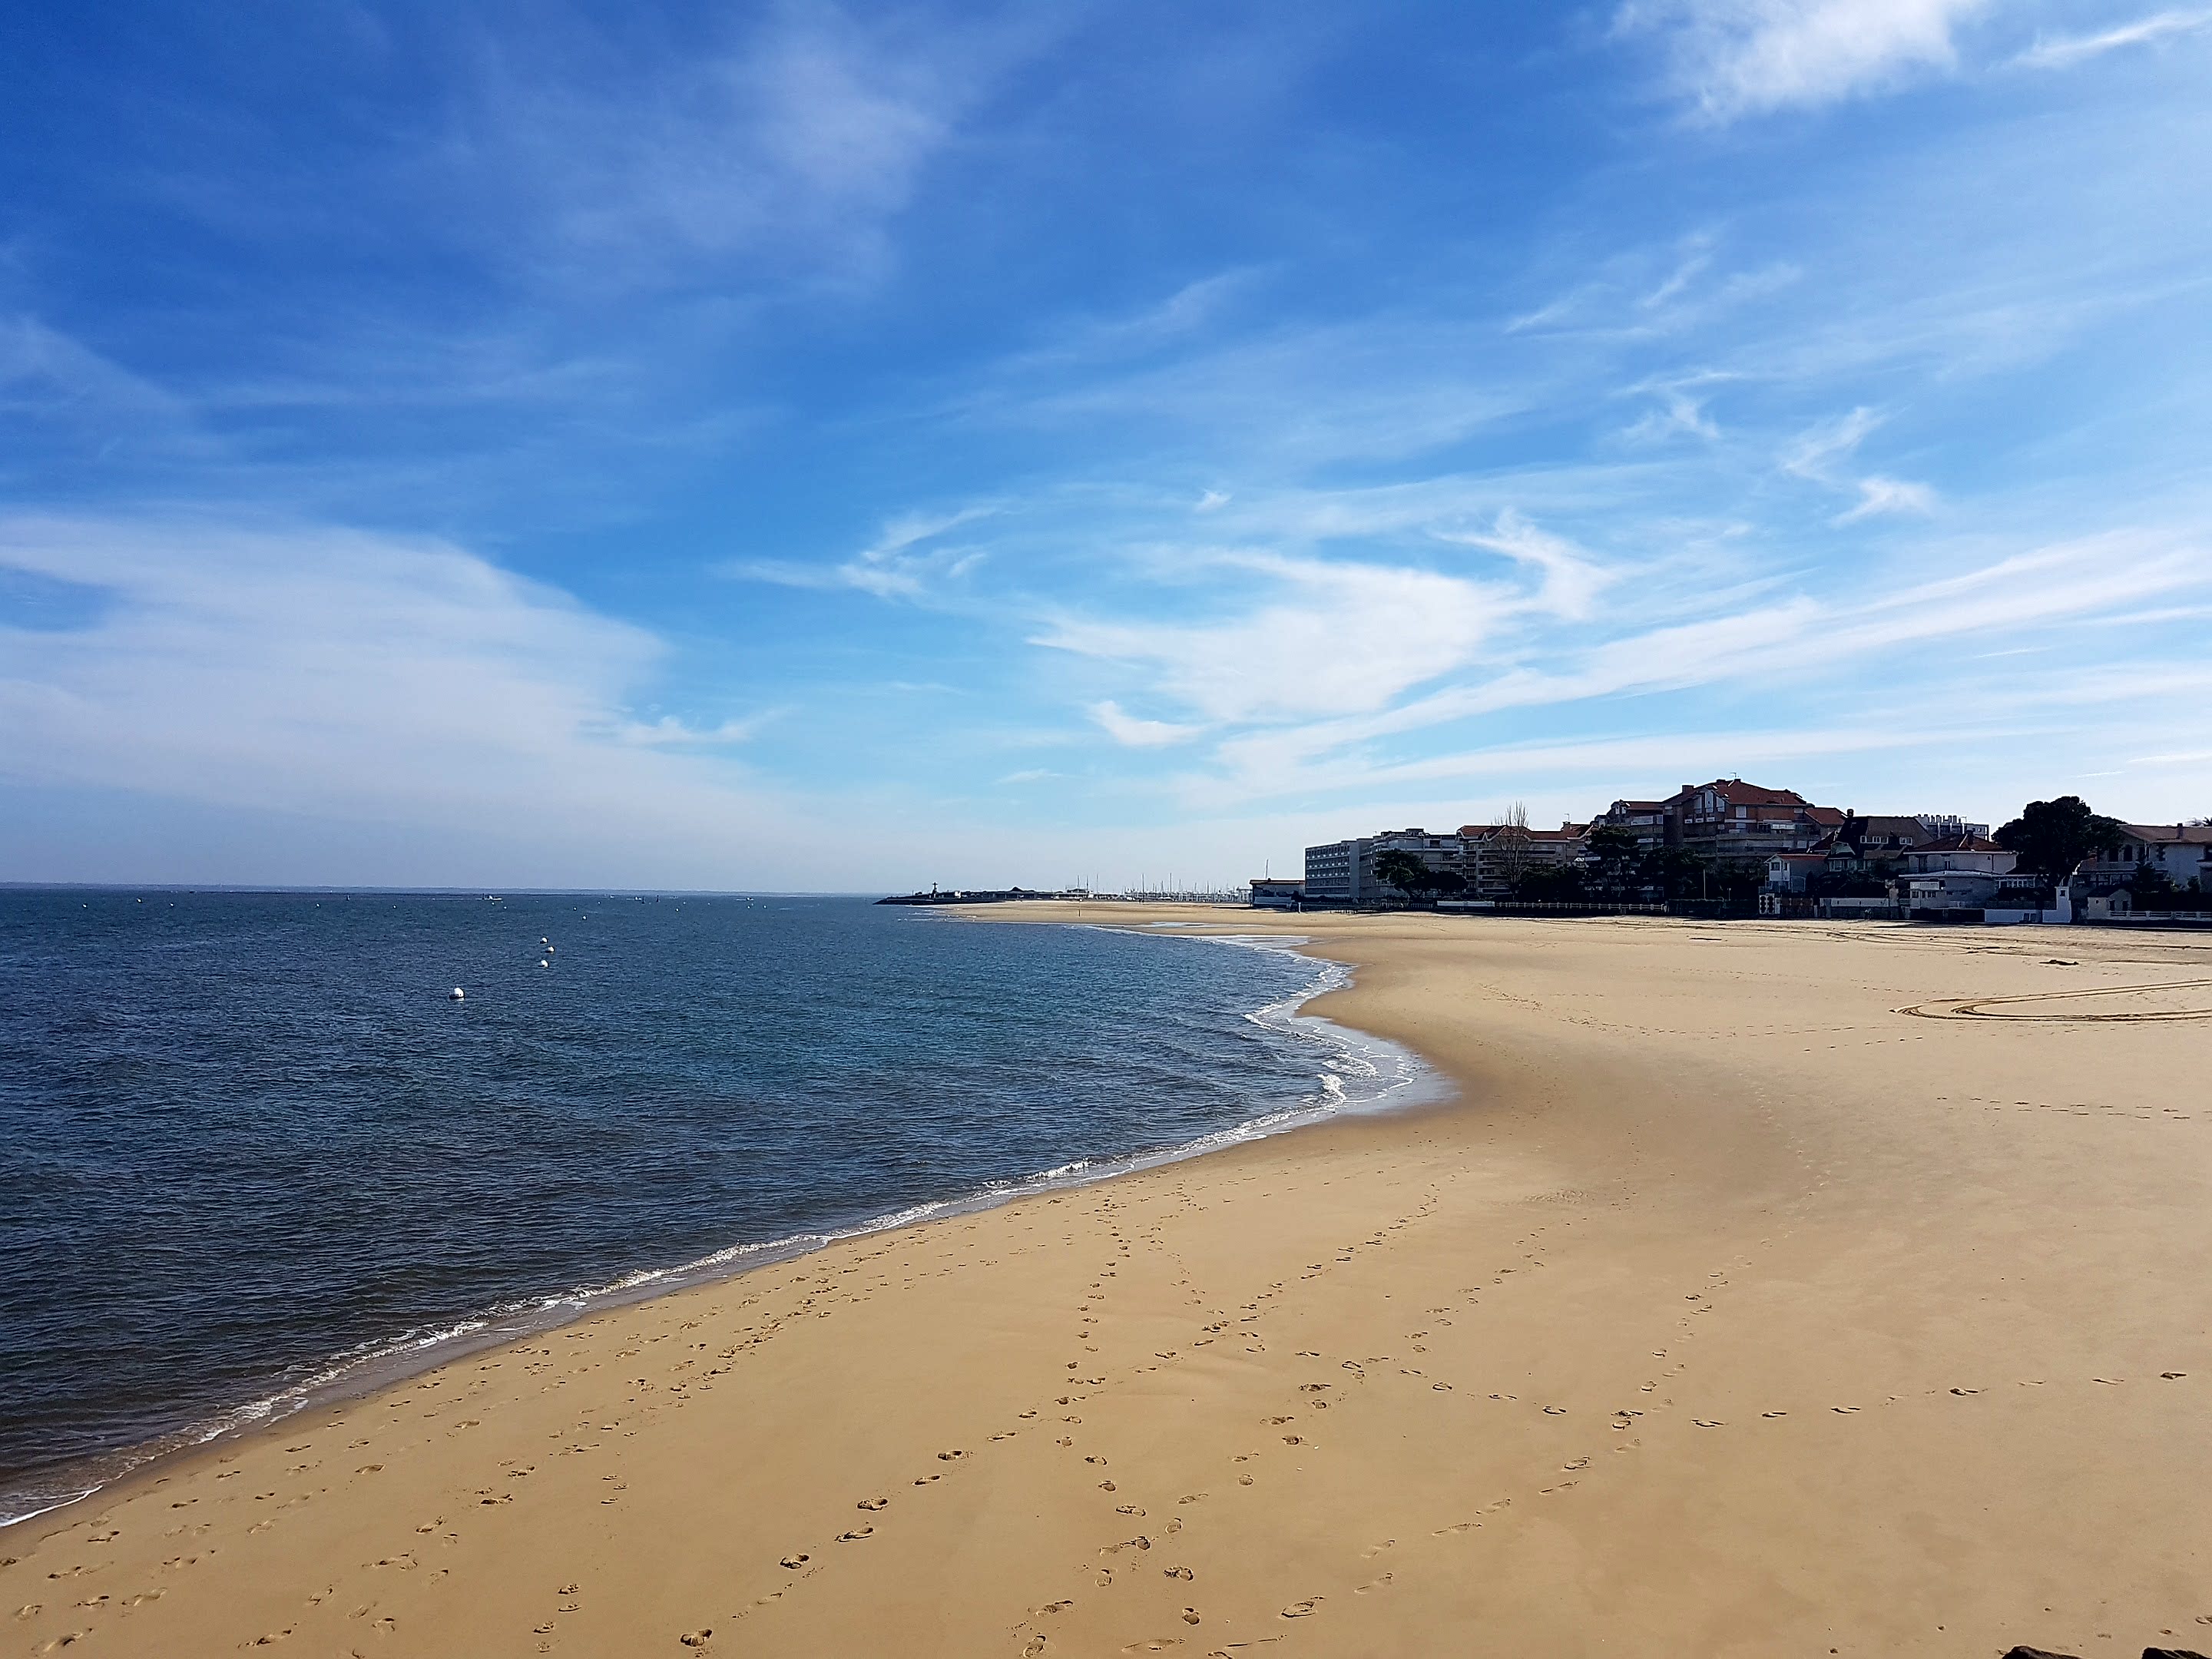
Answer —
456 994
541 962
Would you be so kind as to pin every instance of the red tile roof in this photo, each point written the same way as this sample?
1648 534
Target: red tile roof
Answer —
1736 792
2172 834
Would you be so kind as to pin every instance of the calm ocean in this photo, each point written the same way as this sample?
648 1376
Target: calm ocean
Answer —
250 1152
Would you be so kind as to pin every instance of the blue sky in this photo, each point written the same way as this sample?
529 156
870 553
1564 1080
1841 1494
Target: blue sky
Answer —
790 446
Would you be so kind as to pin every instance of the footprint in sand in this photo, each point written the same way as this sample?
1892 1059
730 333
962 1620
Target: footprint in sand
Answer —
1302 1610
1774 1413
948 1456
873 1504
795 1562
694 1639
1708 1423
1183 1573
856 1534
1842 1410
1966 1391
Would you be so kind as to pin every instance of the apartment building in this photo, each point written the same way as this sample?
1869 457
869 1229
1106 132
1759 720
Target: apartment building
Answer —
1497 855
1332 873
1343 872
1729 821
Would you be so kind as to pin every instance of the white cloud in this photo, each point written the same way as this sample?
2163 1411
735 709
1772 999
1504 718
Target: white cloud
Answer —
1814 453
1878 496
361 679
2064 51
1320 638
1815 456
1775 643
1134 733
895 566
1571 579
1735 57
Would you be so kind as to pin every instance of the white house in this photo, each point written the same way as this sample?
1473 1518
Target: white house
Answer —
2182 853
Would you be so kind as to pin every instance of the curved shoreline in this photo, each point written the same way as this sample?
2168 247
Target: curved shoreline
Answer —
383 1363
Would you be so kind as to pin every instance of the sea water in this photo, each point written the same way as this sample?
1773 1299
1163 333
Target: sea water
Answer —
253 1152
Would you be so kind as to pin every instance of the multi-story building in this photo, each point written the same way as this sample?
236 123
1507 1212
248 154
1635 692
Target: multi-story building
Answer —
1343 872
1442 854
1332 873
1497 855
1729 821
2182 853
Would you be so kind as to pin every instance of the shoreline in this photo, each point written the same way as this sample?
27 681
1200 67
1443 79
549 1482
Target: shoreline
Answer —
1731 1310
390 1364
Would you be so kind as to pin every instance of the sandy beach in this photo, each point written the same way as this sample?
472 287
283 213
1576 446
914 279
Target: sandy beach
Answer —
1763 1289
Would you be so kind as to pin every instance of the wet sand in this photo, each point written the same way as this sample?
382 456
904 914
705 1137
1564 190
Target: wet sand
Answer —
1767 1289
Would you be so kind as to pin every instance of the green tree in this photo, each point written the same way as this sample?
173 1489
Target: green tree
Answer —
1618 860
1402 869
2051 836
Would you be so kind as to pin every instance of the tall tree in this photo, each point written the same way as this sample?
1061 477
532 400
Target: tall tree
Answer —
2053 836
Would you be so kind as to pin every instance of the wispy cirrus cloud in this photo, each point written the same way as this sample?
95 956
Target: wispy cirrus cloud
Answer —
1819 453
1790 638
2064 51
899 564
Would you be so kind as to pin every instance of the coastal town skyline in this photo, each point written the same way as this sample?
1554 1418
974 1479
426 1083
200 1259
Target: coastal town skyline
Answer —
829 447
